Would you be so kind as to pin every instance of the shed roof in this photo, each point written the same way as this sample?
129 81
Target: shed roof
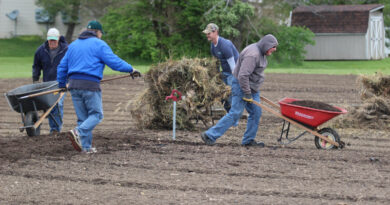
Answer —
334 19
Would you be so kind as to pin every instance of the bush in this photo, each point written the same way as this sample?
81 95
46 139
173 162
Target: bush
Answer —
292 42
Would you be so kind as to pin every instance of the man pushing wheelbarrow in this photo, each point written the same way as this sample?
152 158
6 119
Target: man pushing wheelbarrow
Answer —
82 67
248 76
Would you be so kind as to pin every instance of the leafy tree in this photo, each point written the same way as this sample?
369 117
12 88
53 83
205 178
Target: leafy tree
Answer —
72 8
69 7
161 29
234 19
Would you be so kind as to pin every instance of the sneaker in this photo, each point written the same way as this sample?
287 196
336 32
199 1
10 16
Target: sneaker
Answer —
253 143
75 139
206 139
91 150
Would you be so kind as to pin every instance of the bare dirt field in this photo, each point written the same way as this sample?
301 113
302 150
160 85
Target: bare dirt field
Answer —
135 166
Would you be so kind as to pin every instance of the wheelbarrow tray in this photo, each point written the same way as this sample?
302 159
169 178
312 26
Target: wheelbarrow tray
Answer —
306 115
42 102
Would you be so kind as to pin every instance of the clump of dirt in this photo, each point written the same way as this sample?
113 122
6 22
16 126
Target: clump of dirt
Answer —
315 105
375 111
199 82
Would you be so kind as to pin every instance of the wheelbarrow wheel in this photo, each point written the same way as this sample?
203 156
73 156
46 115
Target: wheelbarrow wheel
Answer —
30 119
330 134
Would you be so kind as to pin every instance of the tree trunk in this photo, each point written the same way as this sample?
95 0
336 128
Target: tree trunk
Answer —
74 18
69 32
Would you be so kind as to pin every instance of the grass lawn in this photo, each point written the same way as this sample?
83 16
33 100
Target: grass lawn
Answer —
21 67
335 67
16 58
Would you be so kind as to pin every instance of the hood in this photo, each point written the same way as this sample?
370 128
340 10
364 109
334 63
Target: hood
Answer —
267 42
87 34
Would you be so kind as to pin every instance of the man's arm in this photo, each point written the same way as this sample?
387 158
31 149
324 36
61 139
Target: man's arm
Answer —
248 64
228 54
232 63
113 61
62 72
37 67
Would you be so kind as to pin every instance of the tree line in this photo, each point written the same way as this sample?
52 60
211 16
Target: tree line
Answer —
159 29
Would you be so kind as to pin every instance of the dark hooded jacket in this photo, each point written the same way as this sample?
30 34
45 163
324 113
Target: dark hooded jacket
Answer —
42 61
251 64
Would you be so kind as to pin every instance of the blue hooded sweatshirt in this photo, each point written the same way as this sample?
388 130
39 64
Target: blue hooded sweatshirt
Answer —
86 58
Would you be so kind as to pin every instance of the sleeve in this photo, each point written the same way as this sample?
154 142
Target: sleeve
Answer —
248 65
232 63
62 71
113 61
37 67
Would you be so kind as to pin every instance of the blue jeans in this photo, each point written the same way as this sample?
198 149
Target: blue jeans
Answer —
89 110
58 113
227 78
238 105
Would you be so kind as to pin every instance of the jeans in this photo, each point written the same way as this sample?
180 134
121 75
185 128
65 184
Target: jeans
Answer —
58 113
227 79
238 105
89 110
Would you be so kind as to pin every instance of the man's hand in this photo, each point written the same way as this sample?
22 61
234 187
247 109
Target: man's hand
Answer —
135 74
64 89
248 98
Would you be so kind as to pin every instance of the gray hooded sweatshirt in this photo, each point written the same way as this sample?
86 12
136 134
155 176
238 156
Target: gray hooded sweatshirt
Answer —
251 64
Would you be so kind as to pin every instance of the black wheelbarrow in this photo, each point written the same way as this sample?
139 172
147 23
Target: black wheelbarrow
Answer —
28 100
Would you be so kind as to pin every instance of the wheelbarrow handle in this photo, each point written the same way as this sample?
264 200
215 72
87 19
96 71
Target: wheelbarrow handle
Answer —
41 93
59 89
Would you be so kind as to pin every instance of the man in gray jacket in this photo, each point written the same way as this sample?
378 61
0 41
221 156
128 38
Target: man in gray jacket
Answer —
248 77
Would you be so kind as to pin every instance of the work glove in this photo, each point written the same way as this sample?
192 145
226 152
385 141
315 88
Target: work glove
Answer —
64 89
35 81
135 74
248 98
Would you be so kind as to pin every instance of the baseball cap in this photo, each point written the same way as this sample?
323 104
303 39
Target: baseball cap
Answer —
53 34
211 27
95 25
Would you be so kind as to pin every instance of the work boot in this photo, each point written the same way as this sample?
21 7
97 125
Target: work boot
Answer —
75 139
253 143
206 139
54 133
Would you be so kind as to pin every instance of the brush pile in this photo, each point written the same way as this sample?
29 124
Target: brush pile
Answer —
375 111
200 84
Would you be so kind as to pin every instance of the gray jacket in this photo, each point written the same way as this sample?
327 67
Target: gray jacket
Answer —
251 64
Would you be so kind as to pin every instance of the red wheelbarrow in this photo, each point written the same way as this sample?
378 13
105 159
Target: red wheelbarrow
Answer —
306 118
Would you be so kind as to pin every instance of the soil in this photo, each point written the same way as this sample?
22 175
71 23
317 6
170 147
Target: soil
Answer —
135 166
315 105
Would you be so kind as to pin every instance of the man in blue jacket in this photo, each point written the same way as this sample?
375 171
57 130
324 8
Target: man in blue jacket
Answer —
83 67
46 59
224 50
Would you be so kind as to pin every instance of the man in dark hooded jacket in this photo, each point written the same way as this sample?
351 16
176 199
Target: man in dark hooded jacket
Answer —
248 77
46 59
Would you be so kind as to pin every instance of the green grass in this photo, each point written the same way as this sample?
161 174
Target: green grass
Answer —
335 67
16 59
17 55
22 46
21 67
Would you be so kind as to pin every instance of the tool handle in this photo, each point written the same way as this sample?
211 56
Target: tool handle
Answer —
59 89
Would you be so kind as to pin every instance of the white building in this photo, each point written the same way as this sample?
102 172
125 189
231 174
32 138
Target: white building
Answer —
26 22
344 32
